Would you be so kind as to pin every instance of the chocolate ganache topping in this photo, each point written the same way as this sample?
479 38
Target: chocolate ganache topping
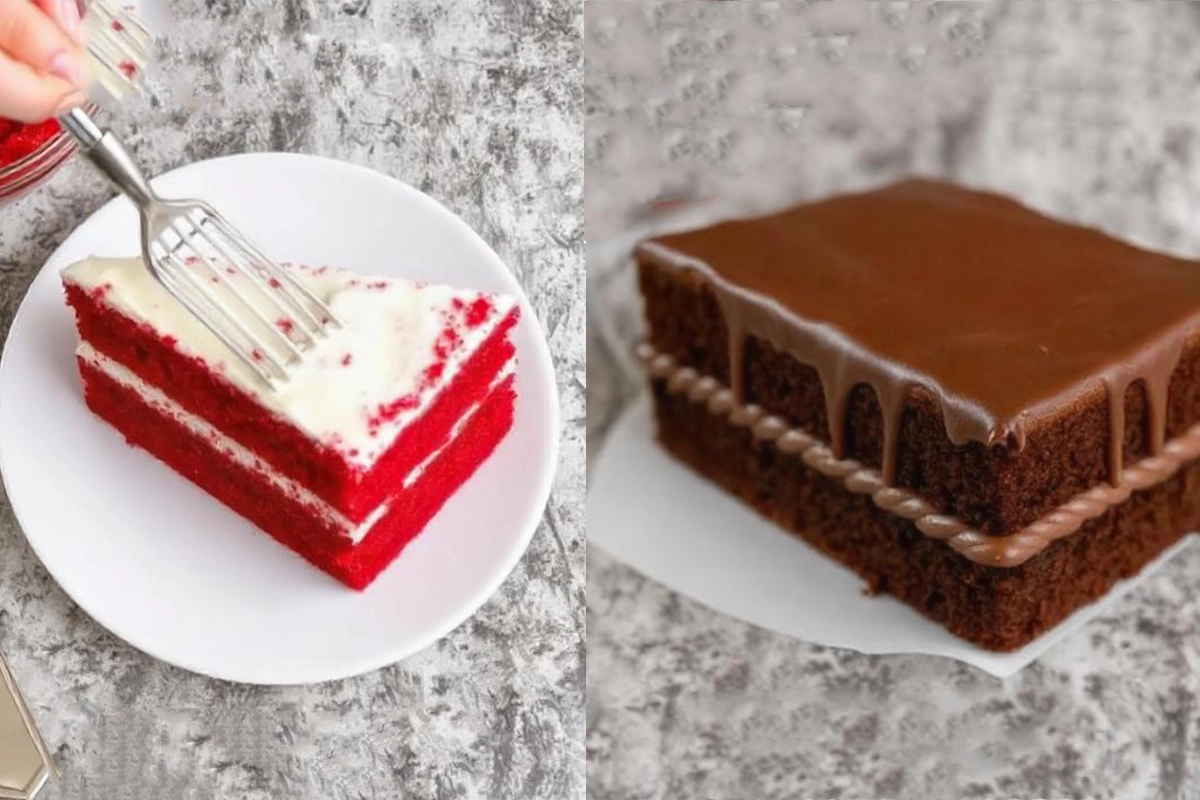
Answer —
1004 314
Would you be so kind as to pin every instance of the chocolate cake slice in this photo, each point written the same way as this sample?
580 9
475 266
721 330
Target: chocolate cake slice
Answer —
988 413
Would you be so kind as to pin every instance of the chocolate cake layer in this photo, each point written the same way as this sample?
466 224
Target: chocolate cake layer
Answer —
1000 609
993 360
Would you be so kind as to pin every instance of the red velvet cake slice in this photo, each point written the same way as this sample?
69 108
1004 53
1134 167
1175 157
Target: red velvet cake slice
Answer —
348 460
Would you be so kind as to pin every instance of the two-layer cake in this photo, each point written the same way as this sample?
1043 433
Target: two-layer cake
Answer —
346 461
990 414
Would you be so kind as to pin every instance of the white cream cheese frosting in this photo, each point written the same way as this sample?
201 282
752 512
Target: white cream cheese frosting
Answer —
400 344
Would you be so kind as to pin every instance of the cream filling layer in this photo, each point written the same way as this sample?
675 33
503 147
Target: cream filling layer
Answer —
162 403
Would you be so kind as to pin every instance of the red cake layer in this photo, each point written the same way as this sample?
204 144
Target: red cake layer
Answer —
252 495
321 469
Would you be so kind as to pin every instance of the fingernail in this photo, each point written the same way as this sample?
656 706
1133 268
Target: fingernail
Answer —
73 100
68 68
71 20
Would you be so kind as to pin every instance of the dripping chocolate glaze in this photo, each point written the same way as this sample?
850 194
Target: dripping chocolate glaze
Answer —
1005 315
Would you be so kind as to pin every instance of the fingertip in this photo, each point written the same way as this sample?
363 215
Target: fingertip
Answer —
31 96
67 14
71 20
71 101
71 67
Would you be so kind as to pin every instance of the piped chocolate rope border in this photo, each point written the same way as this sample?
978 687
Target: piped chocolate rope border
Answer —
1007 550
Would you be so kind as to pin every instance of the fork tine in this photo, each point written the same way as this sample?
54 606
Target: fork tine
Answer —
215 316
115 51
236 262
166 272
201 313
118 43
272 270
109 12
221 276
266 356
288 286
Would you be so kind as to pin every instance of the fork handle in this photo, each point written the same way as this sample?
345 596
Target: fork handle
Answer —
109 155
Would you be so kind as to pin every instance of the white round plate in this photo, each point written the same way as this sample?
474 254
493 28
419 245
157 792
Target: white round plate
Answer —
172 571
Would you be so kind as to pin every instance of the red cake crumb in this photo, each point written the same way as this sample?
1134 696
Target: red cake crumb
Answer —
346 359
446 341
128 69
286 325
392 410
478 312
432 373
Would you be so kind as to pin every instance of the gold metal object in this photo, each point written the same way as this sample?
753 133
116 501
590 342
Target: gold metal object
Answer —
25 764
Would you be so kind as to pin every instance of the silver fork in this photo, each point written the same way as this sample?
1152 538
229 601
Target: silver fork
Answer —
118 45
259 310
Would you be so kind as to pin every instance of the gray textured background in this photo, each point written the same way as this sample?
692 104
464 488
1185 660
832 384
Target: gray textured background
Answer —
1087 110
479 104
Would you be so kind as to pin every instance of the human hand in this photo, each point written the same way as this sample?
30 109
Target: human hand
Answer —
42 60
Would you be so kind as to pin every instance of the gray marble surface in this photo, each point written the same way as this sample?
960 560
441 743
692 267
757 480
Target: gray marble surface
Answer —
1087 110
478 104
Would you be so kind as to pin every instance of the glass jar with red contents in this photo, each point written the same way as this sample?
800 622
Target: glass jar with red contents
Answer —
29 154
